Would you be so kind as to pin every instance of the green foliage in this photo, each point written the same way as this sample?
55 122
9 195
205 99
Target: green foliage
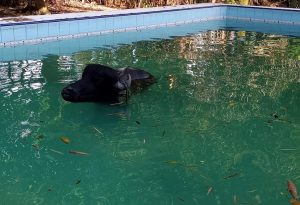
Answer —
294 3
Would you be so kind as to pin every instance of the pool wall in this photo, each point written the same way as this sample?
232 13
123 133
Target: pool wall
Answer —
72 45
61 26
94 23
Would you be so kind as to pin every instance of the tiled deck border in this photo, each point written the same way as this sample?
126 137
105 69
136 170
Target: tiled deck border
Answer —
60 26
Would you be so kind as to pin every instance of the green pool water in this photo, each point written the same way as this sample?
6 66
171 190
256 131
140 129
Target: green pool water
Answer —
220 126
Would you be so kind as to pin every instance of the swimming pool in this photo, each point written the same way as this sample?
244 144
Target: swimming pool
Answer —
220 126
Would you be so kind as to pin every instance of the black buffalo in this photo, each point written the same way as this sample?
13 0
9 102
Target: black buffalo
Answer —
100 83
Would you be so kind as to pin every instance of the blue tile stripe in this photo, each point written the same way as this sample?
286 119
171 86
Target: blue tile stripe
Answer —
162 10
48 28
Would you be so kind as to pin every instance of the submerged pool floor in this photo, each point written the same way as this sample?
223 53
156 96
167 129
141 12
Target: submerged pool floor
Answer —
220 126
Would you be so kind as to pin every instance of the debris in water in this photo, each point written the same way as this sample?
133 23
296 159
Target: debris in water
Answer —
294 202
25 133
274 115
78 152
78 181
292 189
118 114
137 122
209 190
230 176
172 162
98 130
231 103
58 152
65 140
119 103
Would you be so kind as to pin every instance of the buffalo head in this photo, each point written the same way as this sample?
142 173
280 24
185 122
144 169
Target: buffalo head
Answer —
102 83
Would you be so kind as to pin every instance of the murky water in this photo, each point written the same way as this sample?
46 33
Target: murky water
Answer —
220 126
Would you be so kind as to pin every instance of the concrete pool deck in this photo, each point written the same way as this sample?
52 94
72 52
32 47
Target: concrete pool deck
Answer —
37 29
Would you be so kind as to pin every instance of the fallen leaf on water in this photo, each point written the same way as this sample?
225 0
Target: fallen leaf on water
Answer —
209 190
78 152
231 103
172 162
65 140
230 176
294 202
292 189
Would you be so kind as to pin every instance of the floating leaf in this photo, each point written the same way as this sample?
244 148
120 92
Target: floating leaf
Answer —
292 189
172 162
231 176
209 190
231 103
65 140
77 152
294 202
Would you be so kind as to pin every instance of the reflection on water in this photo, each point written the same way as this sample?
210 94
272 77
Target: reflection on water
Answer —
220 126
16 76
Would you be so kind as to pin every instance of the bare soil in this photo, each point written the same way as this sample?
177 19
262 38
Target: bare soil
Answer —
54 9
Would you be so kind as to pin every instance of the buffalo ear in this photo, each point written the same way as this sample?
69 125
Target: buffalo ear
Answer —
124 82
